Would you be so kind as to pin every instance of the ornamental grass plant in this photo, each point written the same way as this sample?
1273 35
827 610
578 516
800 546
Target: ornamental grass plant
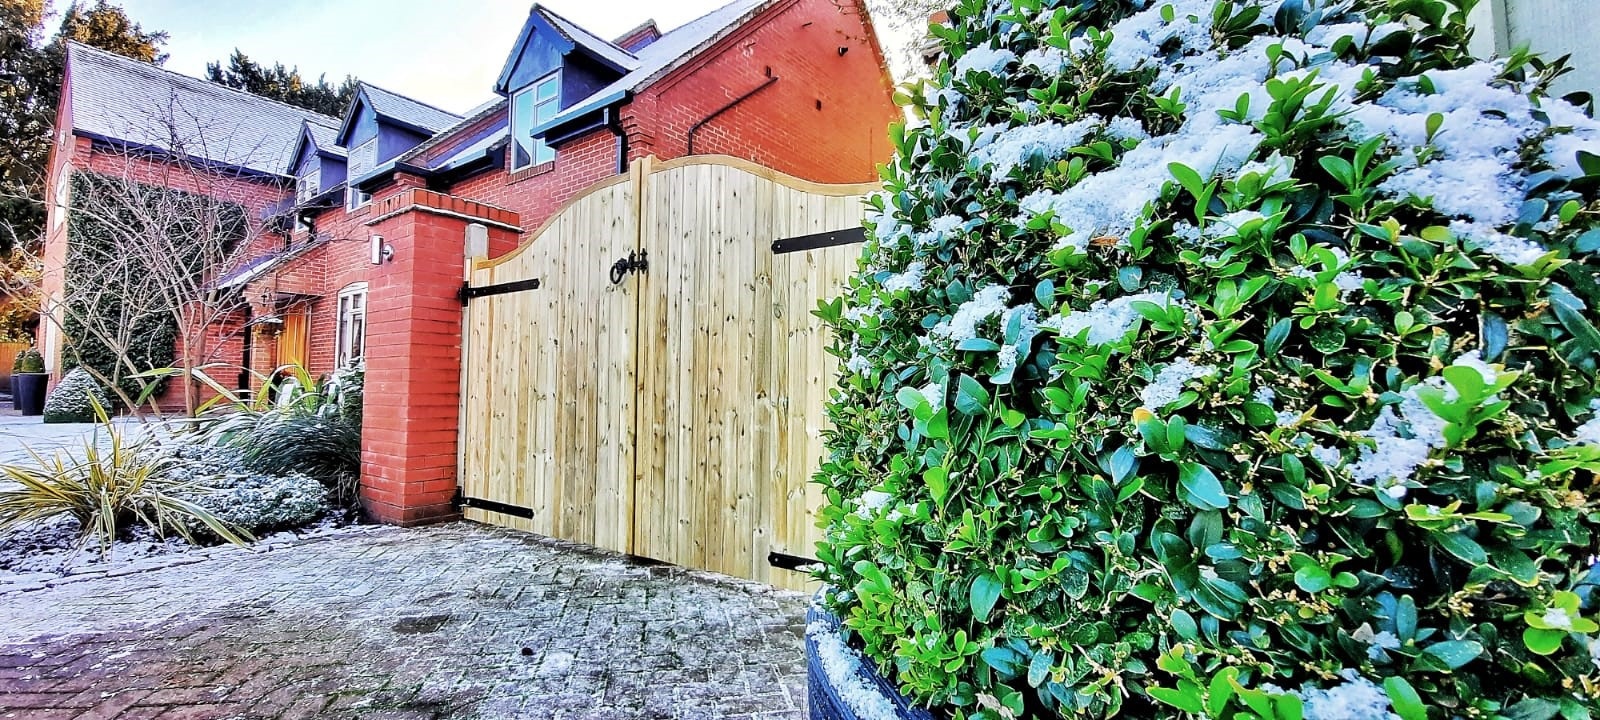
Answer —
1225 359
107 485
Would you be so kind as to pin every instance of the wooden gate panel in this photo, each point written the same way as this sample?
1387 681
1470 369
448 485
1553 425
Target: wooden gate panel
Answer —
548 417
733 370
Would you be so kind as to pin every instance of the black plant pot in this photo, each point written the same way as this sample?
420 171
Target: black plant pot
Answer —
825 696
27 392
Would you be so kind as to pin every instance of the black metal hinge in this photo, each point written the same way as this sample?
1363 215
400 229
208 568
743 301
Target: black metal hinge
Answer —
462 501
634 262
784 561
819 240
468 292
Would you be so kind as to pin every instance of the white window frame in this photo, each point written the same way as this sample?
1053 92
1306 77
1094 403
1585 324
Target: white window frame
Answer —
355 198
351 335
539 153
308 185
363 158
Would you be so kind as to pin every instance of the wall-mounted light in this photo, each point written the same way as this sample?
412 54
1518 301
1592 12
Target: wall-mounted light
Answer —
381 251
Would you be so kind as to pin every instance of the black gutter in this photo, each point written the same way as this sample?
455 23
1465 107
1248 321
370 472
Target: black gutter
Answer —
696 127
167 155
574 128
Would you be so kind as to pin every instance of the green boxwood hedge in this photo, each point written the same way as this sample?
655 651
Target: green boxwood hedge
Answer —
1224 359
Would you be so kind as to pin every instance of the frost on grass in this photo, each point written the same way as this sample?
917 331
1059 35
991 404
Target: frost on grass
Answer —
842 666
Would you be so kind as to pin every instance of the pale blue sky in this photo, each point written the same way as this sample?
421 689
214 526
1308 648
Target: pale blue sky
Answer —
443 52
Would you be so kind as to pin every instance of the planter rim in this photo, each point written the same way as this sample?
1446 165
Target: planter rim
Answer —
828 701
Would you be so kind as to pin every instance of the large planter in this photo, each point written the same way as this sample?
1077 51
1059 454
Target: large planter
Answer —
842 685
28 391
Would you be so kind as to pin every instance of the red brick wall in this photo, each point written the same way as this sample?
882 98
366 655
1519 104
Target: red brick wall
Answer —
408 469
826 119
536 193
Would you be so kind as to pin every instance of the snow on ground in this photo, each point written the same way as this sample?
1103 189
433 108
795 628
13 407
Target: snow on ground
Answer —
18 434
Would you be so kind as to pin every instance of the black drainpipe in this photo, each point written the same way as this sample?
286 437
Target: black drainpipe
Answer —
696 128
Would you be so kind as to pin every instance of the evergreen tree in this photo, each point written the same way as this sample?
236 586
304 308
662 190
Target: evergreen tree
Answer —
30 85
109 28
283 84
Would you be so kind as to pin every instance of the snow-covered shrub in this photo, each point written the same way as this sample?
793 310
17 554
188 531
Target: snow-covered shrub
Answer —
310 428
73 399
224 484
1212 358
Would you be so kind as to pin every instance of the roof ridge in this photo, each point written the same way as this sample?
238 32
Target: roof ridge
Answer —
703 16
125 60
540 7
408 98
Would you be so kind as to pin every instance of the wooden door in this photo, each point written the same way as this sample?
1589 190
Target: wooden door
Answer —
548 413
294 340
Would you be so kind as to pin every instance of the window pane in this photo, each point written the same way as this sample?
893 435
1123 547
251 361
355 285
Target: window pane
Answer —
548 89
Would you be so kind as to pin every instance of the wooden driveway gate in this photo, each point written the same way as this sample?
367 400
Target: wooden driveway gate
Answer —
645 374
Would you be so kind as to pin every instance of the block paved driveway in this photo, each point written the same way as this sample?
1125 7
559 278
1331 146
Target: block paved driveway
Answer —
453 621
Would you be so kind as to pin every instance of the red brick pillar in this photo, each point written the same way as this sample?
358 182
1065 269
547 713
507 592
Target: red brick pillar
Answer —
413 354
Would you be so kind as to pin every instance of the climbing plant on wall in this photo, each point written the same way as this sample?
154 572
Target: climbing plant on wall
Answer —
1224 359
133 255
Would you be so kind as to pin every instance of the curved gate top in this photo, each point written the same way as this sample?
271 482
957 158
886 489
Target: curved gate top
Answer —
645 373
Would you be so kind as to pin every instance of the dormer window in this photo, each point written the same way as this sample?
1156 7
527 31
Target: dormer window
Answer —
308 186
530 107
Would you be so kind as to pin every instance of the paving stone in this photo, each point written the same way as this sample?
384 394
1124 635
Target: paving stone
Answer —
453 621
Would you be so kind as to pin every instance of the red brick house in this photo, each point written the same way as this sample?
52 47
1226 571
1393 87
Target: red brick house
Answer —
800 86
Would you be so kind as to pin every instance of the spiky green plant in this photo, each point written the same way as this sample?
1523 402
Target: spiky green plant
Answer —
106 486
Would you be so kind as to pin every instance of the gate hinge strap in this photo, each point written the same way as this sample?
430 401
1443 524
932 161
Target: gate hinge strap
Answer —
848 236
785 561
468 292
493 506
